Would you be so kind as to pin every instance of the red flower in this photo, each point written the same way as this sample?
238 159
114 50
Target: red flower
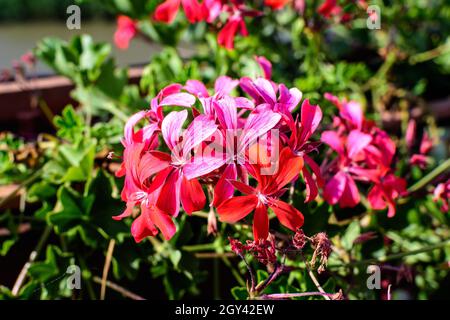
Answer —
385 191
276 4
126 30
265 195
167 11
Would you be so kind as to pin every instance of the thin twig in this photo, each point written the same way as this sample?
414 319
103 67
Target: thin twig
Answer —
106 266
33 255
327 296
443 167
314 279
113 286
213 255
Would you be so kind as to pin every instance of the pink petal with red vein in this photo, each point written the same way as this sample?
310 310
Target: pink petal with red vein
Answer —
171 127
181 99
196 88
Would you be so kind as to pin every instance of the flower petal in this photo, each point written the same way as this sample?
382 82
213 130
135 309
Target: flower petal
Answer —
260 223
171 127
335 188
332 139
289 216
169 199
200 129
234 209
356 142
311 115
167 11
181 99
163 221
192 195
143 227
224 189
196 88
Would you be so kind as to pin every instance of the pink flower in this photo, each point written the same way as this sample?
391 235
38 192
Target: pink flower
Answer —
442 193
301 131
126 30
342 187
181 184
278 97
365 154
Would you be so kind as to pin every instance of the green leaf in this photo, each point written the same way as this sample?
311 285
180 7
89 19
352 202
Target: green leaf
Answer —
239 293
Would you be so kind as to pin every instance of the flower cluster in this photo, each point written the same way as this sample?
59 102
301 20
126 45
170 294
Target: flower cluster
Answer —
365 153
211 11
228 140
227 15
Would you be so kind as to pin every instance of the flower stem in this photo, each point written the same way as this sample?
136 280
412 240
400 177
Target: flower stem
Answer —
327 296
430 176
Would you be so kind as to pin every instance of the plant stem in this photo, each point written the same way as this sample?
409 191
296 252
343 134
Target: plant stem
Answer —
106 266
327 296
430 176
33 255
199 247
314 279
125 292
430 54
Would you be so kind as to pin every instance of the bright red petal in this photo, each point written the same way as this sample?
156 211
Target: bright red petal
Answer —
234 209
260 223
192 195
289 217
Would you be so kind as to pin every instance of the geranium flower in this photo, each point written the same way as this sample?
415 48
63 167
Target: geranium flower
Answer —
140 191
167 11
442 193
302 130
278 97
265 195
342 187
237 140
181 184
126 30
276 4
385 191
